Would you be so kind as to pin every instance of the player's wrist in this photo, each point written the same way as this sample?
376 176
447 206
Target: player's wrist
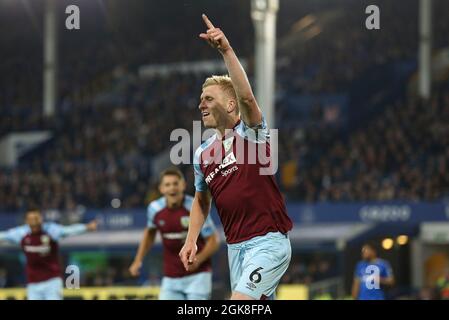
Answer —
225 51
191 242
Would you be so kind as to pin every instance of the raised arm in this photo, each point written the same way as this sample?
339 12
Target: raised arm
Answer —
355 288
198 214
386 276
249 109
145 245
3 236
14 235
78 228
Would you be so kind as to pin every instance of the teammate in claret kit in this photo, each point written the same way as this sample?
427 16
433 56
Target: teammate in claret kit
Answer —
169 215
39 242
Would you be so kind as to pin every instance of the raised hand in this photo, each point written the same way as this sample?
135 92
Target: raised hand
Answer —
92 226
214 36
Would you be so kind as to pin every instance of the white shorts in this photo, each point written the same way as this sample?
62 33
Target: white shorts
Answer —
257 265
198 286
50 289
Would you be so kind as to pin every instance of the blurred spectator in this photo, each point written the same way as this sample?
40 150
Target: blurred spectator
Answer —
427 293
442 286
4 282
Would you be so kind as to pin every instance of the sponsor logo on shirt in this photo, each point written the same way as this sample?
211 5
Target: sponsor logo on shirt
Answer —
228 160
42 249
175 235
229 171
251 286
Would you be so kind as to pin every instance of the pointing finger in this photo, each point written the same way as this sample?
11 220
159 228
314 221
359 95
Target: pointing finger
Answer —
207 22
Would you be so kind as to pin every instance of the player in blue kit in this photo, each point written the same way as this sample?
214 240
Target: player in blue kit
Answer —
371 274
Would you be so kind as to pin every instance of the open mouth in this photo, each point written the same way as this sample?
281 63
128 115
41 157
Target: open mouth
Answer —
205 114
173 194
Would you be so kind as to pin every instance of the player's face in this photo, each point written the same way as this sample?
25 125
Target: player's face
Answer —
367 253
33 219
172 187
213 106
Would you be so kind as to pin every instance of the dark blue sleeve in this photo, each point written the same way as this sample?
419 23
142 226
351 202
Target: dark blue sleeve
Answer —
386 270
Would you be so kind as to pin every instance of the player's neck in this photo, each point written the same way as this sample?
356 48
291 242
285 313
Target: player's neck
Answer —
175 204
36 229
229 125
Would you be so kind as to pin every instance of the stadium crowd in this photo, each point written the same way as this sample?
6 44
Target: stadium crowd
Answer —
401 154
111 124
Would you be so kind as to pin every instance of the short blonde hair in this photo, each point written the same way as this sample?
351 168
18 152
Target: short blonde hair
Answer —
225 83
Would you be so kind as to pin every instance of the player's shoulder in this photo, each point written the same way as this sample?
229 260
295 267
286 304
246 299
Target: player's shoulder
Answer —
206 144
382 262
49 225
188 198
157 205
188 201
258 133
22 229
261 125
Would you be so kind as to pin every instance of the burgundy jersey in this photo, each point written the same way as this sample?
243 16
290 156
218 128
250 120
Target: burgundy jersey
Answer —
41 248
236 170
173 224
42 256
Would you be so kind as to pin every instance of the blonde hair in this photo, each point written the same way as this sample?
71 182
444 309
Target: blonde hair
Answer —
225 83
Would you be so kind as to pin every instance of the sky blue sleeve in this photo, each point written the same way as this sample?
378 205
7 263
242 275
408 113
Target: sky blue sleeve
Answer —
150 217
14 235
57 231
200 183
208 227
74 230
153 208
258 133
